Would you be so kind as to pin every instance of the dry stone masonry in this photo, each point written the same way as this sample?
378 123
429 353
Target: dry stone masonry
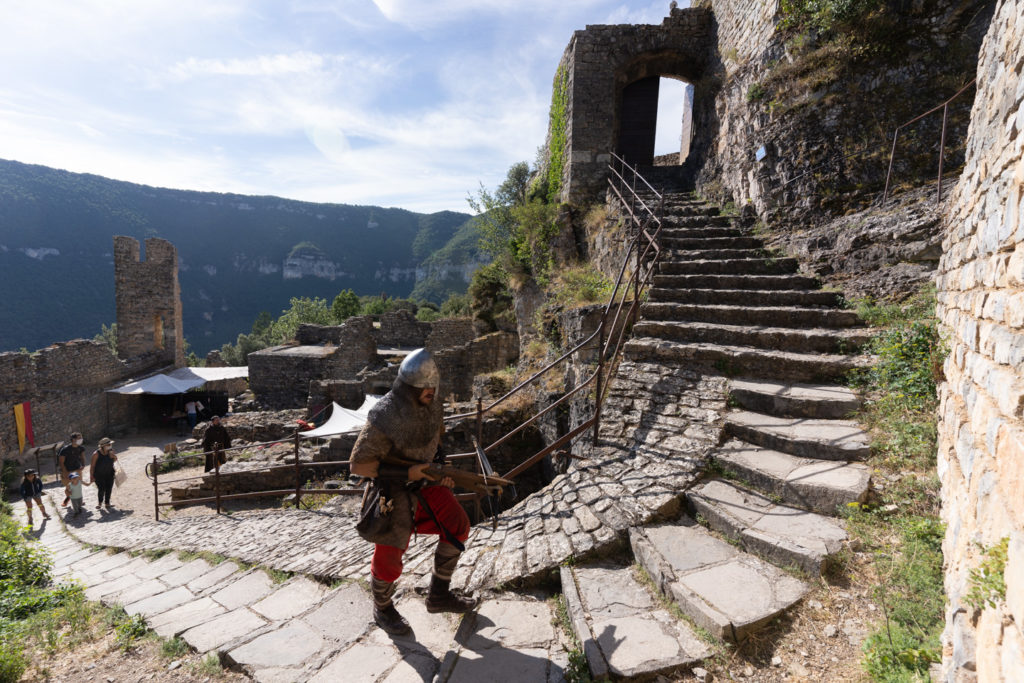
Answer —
65 383
148 301
981 306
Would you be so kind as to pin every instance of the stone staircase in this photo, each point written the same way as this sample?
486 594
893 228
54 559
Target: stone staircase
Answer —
720 408
763 520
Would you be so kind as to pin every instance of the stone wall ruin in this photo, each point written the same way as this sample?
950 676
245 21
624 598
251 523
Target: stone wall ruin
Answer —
148 302
65 383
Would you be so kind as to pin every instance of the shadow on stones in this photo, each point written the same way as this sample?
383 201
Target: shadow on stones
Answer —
497 663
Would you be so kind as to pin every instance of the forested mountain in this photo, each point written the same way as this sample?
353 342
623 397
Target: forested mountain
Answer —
238 255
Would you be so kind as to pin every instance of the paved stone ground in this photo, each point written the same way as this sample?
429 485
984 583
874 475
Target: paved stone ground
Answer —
302 630
661 424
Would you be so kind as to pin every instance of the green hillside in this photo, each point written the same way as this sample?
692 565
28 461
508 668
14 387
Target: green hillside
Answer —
238 254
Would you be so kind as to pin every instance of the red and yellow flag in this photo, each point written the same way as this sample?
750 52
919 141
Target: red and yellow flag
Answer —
23 419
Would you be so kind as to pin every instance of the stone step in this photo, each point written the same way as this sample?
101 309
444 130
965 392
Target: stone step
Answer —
776 316
827 401
817 485
728 592
623 631
812 340
801 436
674 229
689 243
690 210
679 220
784 535
753 266
671 254
747 361
746 297
736 281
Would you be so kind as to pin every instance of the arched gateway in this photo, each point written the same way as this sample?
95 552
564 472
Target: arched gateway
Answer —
609 78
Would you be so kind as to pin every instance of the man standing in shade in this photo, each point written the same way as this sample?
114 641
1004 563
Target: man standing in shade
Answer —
399 441
216 436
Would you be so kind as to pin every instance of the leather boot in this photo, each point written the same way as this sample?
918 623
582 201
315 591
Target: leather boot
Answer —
440 598
384 613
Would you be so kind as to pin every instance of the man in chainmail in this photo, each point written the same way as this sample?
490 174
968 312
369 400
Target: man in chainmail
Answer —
399 441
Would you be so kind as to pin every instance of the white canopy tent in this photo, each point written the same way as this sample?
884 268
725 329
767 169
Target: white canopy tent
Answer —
179 381
343 420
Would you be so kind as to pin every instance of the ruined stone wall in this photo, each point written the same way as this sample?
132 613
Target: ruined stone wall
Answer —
981 305
280 376
64 384
148 302
449 332
460 365
401 328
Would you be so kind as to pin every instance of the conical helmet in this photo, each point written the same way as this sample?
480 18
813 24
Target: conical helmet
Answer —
419 370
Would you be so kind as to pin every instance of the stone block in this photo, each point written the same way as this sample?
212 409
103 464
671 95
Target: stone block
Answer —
222 629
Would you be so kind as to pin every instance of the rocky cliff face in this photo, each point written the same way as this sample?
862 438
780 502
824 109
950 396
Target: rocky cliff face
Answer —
803 129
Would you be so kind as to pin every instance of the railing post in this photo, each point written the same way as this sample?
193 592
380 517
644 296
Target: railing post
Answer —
600 371
892 155
480 421
298 474
636 283
216 475
942 149
156 491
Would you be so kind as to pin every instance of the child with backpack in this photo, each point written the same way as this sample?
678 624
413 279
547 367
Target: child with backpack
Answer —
32 489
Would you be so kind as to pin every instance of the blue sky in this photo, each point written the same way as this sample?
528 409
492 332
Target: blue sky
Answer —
407 103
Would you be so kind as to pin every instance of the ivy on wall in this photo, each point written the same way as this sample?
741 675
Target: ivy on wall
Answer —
557 124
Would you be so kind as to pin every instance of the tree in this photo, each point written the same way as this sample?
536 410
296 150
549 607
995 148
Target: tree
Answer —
345 305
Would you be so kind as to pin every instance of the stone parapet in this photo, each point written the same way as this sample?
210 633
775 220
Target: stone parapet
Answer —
981 307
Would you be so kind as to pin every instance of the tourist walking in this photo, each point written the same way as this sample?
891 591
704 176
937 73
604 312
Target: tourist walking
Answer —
70 459
216 436
75 484
102 471
192 409
32 490
400 440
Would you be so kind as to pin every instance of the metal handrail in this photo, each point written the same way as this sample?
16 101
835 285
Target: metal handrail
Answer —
643 251
942 144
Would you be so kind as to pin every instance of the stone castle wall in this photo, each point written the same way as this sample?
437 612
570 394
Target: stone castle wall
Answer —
65 385
280 376
148 299
461 364
981 306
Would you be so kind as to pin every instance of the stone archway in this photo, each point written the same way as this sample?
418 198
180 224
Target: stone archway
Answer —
609 79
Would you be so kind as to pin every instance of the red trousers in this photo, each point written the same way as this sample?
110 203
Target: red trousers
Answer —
387 559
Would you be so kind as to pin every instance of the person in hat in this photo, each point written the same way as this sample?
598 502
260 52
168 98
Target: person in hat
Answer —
216 436
71 458
400 440
32 489
101 471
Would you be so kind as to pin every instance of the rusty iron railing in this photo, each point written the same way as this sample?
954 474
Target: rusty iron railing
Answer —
644 219
942 143
642 208
218 497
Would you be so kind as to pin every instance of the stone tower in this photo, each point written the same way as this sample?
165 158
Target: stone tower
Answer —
148 302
